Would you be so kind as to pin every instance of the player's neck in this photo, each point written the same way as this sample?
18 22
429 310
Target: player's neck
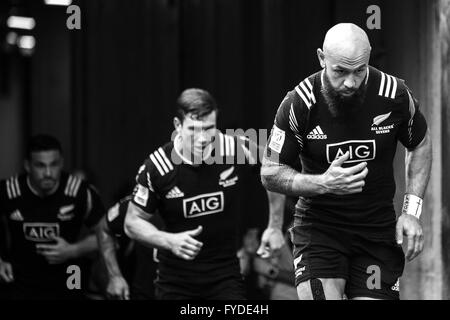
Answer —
39 192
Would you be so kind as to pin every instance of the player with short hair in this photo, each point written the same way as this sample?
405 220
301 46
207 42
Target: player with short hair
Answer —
195 182
344 123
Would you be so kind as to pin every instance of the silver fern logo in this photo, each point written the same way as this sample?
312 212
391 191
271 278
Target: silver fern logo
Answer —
379 119
381 129
224 175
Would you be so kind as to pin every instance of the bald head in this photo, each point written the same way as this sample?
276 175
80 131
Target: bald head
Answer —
347 43
345 58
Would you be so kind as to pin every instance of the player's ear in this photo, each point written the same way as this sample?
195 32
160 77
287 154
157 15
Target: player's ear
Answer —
177 124
321 57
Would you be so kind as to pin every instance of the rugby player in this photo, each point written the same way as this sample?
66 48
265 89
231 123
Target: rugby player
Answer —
344 123
195 183
50 218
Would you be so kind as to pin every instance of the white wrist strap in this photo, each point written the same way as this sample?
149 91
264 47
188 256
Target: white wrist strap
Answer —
412 205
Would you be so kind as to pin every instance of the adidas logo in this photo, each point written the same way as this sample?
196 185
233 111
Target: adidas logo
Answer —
16 216
316 133
174 193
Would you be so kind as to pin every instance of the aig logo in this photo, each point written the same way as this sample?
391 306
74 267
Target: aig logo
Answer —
360 150
202 205
40 231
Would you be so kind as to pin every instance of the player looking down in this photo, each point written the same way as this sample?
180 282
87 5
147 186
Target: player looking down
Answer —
344 123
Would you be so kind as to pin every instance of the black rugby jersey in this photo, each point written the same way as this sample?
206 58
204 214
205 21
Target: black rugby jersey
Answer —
305 127
33 220
187 196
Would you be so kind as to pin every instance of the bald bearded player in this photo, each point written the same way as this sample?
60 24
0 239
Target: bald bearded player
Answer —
344 123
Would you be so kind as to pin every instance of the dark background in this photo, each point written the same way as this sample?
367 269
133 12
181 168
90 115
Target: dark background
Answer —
107 91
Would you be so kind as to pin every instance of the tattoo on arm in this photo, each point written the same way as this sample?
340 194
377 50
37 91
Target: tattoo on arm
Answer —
277 177
284 179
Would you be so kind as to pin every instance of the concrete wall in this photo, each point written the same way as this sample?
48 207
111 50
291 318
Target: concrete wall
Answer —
418 52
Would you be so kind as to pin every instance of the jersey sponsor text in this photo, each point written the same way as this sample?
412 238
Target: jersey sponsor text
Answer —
360 150
40 231
203 204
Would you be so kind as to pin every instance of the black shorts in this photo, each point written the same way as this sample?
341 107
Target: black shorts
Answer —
371 264
225 288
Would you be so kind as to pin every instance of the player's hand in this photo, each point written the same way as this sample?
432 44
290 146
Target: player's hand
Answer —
117 289
184 245
56 253
339 180
6 272
272 241
409 226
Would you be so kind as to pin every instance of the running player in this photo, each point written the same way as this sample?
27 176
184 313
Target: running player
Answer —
195 183
344 123
47 211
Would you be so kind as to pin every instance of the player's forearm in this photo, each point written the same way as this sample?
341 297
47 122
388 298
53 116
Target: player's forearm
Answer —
283 179
85 246
146 233
276 209
418 167
106 244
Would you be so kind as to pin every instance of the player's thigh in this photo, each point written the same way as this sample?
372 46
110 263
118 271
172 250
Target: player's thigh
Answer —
321 262
375 271
321 289
231 288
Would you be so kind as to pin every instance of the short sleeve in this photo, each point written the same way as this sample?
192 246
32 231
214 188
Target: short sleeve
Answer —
414 126
115 217
285 141
144 195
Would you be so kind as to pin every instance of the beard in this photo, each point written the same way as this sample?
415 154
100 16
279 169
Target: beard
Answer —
342 107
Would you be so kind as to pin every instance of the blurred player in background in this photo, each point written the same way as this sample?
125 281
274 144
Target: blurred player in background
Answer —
50 218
